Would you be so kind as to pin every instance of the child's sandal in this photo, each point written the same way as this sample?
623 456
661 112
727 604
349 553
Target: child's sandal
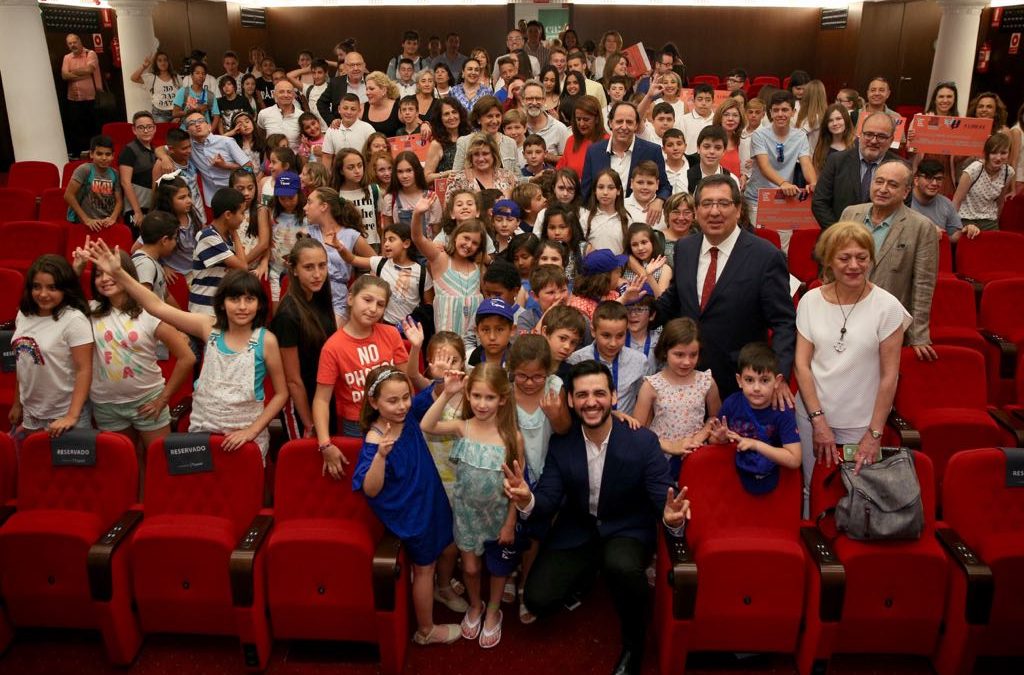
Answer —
490 637
448 634
471 629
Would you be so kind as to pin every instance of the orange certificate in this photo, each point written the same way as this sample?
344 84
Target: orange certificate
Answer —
686 96
901 128
775 211
413 143
636 58
961 136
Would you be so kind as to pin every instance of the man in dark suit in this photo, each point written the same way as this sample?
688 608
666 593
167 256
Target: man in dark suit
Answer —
734 284
846 178
339 85
606 483
622 152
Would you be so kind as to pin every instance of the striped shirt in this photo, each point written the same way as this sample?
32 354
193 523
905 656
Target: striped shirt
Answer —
208 269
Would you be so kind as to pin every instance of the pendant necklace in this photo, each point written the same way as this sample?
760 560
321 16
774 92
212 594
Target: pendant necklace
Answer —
840 344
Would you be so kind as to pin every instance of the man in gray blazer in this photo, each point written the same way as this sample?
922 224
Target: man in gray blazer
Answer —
906 249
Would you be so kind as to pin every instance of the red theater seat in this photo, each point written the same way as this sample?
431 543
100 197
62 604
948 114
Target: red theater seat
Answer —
802 264
954 318
197 561
333 571
69 170
894 597
990 256
737 581
61 563
16 204
33 176
52 207
985 612
772 80
941 407
1002 323
8 472
21 242
705 79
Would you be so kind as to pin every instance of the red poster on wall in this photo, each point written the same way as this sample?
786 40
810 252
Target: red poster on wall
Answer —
97 43
1014 43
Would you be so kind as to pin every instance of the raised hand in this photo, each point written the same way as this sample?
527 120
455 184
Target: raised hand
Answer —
441 364
100 255
454 381
551 403
387 443
656 264
718 430
425 204
413 331
515 485
677 508
634 289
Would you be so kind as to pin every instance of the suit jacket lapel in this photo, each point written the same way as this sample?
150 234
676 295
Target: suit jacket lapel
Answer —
733 266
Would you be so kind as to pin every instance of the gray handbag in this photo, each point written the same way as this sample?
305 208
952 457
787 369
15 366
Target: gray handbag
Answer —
883 502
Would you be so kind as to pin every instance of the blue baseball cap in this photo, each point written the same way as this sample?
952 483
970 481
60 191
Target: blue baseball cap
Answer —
758 474
287 184
496 307
506 208
603 260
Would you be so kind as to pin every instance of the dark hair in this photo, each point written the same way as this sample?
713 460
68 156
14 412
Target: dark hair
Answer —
237 284
451 75
571 218
157 225
929 168
349 97
419 179
930 108
163 199
781 96
759 357
564 317
799 78
609 310
717 180
305 117
226 200
64 278
103 305
703 89
528 349
534 139
545 275
585 368
574 178
319 63
657 245
523 241
252 228
305 309
681 331
101 141
483 105
563 251
404 232
224 81
142 114
374 379
176 135
408 100
410 35
464 129
713 132
663 108
502 272
737 72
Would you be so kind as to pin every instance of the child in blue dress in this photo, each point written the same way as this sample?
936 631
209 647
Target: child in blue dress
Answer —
396 473
485 520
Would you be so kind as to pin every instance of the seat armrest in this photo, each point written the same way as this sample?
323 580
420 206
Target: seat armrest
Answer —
242 564
1007 353
682 576
99 561
980 585
179 411
6 511
831 572
1010 423
909 436
977 285
386 570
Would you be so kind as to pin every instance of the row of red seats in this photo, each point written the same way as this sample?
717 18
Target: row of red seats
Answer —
21 242
201 554
750 577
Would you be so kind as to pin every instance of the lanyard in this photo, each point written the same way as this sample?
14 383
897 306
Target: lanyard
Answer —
483 357
615 372
647 342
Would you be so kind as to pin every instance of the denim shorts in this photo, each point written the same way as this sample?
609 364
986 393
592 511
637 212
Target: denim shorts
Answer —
121 416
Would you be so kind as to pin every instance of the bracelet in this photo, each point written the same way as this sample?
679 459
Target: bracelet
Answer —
816 413
324 446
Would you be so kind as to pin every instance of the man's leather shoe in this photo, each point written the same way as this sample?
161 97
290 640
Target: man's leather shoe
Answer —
628 663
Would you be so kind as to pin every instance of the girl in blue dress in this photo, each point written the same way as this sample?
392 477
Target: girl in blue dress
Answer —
396 473
485 520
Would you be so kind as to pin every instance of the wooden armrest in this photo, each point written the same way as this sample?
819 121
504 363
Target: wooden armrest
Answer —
241 566
977 285
100 559
909 436
682 577
179 411
980 585
6 512
386 570
1010 423
1007 354
831 572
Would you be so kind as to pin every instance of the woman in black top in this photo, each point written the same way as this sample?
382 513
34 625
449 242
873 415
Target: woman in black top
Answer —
381 109
303 322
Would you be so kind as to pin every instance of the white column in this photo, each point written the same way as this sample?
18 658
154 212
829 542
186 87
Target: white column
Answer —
956 48
32 107
137 39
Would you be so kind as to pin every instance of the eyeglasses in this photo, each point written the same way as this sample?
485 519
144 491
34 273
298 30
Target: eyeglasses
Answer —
931 179
522 378
638 309
533 99
872 136
195 123
779 155
145 127
708 204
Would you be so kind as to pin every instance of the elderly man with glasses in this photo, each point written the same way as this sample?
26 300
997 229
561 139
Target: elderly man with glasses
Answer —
846 178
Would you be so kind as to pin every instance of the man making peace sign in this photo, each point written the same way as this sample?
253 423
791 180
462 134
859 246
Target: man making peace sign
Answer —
614 481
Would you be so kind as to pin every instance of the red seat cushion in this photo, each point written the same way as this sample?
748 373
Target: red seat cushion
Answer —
181 574
43 567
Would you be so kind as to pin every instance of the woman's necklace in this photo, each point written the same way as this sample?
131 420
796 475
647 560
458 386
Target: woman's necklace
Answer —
840 344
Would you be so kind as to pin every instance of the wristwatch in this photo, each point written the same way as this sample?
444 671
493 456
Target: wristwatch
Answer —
875 434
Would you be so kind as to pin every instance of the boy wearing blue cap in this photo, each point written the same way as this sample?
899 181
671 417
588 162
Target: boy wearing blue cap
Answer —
495 321
765 438
505 216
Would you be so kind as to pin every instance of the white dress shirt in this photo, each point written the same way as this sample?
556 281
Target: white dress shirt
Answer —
620 164
273 121
596 453
704 261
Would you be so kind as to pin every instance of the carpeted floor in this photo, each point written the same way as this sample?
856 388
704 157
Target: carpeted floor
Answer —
581 642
